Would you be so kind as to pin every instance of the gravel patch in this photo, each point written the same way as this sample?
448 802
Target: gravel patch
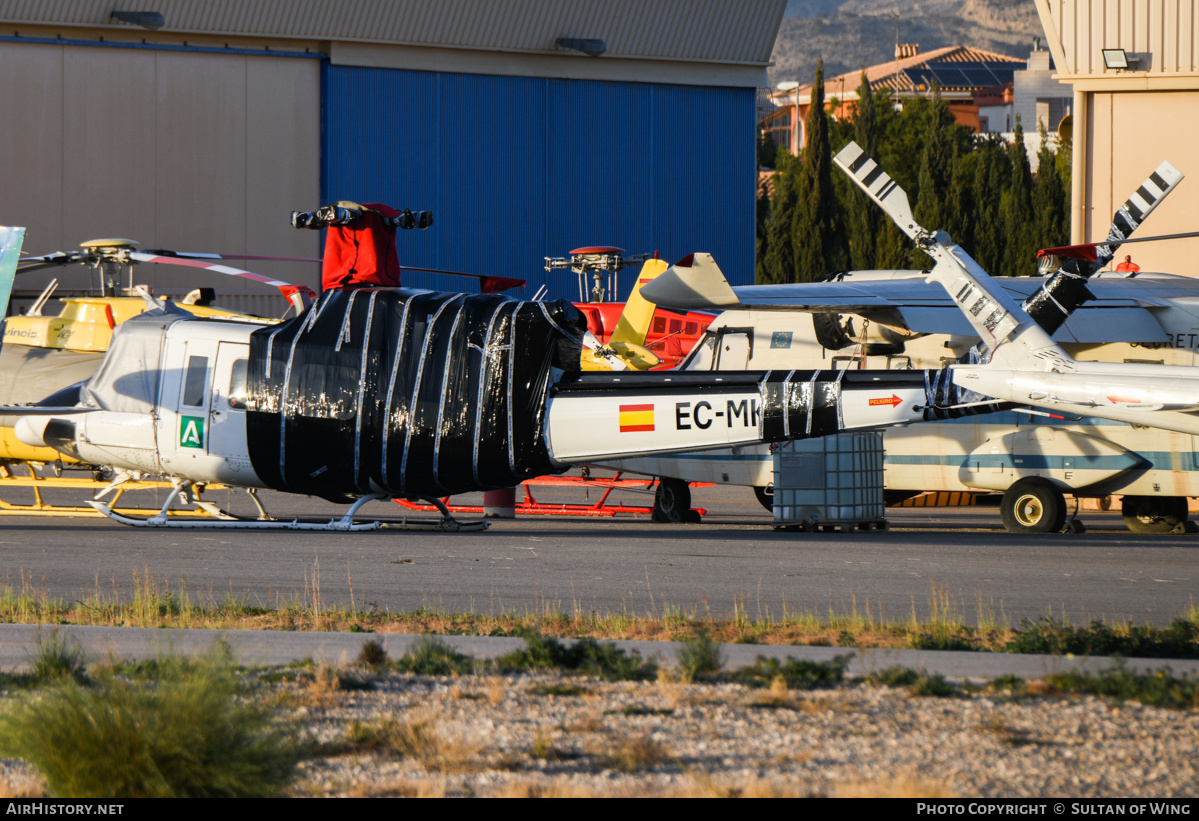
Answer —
549 734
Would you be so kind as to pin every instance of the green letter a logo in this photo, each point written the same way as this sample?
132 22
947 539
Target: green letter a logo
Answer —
191 432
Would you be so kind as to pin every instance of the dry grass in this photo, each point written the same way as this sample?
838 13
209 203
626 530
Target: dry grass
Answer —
777 696
901 786
690 786
319 691
22 787
632 754
151 600
402 788
417 737
495 689
671 687
590 722
541 789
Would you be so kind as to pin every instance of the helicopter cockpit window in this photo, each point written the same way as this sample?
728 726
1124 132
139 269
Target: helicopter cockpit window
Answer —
194 381
237 384
703 356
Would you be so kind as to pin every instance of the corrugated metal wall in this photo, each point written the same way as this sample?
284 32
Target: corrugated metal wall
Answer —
732 31
186 150
1164 32
517 169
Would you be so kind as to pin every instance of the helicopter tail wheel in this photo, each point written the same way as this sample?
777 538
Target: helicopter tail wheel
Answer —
1155 514
1033 506
672 501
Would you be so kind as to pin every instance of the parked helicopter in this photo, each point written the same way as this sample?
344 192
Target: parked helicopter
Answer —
44 352
1136 392
377 393
895 319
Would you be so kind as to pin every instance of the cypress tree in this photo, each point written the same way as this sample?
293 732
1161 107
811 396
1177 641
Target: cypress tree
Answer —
934 165
960 202
1049 198
817 237
777 260
989 175
1018 217
865 219
935 161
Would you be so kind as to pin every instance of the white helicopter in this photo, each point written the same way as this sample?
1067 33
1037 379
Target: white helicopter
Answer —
904 322
389 393
381 393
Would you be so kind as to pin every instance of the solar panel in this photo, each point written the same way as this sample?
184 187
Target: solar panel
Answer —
950 76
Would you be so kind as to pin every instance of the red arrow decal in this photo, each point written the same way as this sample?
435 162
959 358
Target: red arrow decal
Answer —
892 400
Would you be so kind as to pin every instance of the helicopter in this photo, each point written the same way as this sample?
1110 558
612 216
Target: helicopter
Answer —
43 352
382 393
903 321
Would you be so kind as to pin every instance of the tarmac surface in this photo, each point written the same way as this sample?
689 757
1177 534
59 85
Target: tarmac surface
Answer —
955 562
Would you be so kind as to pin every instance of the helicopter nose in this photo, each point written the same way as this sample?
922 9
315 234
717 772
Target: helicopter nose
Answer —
31 430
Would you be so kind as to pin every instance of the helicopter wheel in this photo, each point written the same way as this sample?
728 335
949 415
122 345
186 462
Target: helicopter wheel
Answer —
672 501
1033 506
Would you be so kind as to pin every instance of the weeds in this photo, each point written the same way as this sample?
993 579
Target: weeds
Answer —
916 682
586 656
417 737
796 674
1158 689
180 736
634 754
1180 640
57 659
700 658
559 689
430 656
372 654
154 601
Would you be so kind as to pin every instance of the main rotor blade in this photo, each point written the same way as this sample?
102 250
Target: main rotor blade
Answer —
208 266
488 283
162 252
1075 252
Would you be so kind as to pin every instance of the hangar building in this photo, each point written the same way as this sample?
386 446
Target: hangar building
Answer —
1126 120
529 127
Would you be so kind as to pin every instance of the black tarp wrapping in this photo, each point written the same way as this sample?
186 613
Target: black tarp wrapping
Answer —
800 404
803 404
1057 299
946 400
451 390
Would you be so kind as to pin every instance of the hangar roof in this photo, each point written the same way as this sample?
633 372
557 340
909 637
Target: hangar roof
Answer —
723 42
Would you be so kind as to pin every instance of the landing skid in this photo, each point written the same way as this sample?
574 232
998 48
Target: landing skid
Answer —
41 507
222 520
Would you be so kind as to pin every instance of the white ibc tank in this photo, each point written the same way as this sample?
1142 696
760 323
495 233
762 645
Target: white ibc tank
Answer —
830 481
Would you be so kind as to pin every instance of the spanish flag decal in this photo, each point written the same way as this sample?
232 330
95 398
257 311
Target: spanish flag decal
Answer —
636 417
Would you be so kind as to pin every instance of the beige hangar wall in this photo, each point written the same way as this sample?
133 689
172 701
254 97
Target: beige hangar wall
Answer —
185 150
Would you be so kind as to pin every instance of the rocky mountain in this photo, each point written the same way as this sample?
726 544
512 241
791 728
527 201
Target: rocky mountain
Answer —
853 34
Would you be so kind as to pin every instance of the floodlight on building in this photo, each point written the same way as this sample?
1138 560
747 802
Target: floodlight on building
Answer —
146 19
1119 59
592 48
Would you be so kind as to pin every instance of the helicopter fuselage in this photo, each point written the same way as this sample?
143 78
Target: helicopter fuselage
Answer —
409 394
